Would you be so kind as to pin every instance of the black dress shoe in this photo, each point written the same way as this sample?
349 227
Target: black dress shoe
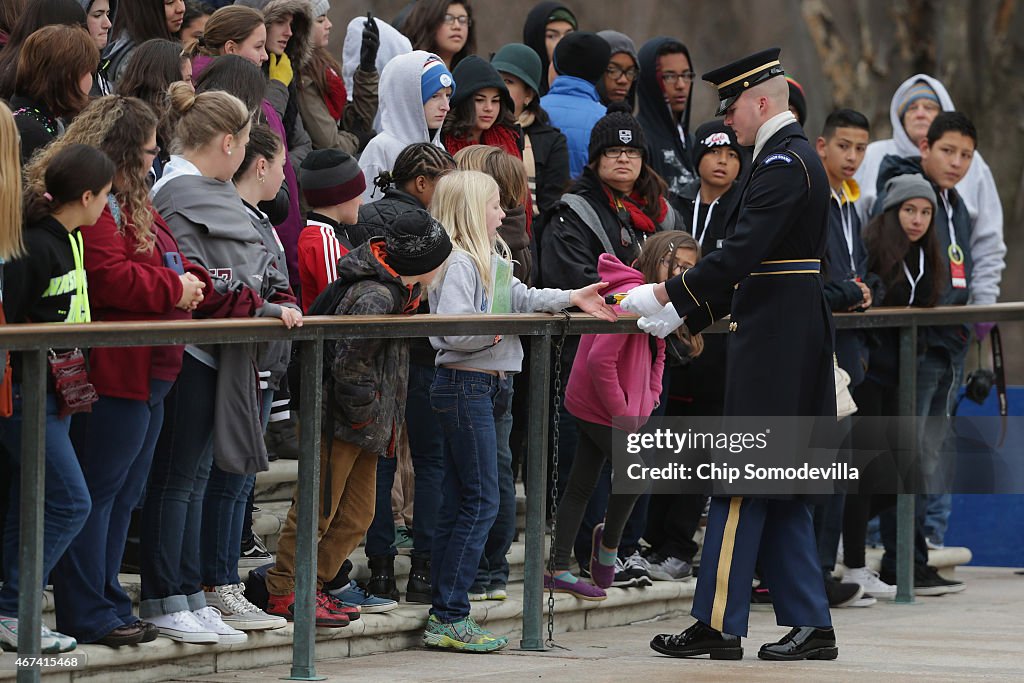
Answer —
803 642
699 639
123 635
149 632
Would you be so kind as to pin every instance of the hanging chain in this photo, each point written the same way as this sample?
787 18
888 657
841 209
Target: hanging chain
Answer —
556 405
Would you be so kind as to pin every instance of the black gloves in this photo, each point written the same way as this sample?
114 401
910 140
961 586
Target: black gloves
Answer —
370 45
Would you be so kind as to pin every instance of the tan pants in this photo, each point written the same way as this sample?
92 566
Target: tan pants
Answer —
403 490
353 491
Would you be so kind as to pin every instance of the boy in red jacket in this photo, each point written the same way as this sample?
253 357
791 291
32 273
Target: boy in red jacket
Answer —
332 185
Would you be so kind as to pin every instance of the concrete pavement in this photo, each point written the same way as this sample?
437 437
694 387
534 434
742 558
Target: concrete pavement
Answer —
976 635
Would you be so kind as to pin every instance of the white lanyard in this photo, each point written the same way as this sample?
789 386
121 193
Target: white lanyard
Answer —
847 220
954 248
707 220
920 273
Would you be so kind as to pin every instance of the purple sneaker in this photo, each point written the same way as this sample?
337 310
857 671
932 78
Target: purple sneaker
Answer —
602 574
581 589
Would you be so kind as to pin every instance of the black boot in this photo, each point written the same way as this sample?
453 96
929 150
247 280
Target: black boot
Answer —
699 639
803 642
282 439
418 588
382 577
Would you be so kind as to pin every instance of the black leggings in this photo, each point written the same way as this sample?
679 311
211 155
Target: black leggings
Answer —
593 449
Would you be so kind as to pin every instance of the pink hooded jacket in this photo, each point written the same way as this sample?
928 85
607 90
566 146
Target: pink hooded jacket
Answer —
615 375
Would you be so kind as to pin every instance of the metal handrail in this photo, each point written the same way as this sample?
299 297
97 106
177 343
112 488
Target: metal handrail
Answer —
34 341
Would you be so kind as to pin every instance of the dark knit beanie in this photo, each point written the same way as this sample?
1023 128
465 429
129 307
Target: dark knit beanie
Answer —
329 177
617 128
908 186
472 75
713 134
797 100
416 243
583 55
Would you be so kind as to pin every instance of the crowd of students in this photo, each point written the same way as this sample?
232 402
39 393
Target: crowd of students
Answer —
175 159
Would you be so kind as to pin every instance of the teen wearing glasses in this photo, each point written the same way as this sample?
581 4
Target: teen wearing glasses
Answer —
664 88
619 82
442 27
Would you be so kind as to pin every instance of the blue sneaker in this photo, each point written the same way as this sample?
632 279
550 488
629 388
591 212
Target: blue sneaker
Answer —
353 595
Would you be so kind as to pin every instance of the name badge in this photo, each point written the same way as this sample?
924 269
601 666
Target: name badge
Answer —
957 272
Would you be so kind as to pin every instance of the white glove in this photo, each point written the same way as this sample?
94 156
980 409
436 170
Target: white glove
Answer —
641 301
662 324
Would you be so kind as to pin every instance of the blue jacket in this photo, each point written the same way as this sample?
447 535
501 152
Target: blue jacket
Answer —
574 106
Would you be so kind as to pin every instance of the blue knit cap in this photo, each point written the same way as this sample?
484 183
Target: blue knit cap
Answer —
435 76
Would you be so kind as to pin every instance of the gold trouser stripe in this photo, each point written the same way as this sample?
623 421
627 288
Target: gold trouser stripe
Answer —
791 272
793 260
725 564
748 73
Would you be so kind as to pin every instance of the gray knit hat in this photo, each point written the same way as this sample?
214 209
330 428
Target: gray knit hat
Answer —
909 186
320 7
329 177
416 243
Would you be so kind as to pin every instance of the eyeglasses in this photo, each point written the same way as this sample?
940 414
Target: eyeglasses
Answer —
461 20
616 152
617 72
672 266
670 78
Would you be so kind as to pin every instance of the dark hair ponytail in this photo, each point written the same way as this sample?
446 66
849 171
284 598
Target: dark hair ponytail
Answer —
72 172
419 158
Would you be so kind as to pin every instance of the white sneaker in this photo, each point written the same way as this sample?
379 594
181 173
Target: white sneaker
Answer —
873 585
50 642
863 601
184 628
237 612
211 620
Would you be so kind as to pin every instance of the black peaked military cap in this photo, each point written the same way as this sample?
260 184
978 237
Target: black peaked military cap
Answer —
743 74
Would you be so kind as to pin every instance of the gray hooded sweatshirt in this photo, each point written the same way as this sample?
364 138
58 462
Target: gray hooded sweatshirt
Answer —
977 189
402 119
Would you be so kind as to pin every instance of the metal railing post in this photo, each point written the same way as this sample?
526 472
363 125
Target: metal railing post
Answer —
33 495
905 501
536 480
304 636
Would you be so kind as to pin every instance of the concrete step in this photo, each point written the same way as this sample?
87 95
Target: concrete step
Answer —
373 633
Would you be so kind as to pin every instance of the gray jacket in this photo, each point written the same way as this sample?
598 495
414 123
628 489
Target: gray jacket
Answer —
212 228
461 290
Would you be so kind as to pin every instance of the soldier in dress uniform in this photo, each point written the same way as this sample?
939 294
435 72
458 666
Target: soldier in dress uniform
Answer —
779 363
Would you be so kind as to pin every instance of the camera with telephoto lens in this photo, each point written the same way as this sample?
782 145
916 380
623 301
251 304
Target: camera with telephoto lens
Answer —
979 385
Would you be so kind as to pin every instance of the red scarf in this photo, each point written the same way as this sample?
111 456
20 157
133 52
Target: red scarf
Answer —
634 205
495 136
336 96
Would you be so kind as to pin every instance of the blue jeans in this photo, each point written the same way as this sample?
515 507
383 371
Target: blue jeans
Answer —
66 503
464 404
115 457
173 512
426 445
493 571
937 506
380 537
224 514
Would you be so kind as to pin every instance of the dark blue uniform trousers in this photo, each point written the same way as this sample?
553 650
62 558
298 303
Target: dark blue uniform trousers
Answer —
783 531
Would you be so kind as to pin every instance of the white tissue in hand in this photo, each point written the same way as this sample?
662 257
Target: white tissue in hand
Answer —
642 301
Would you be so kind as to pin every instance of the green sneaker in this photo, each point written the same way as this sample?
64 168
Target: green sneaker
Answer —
464 634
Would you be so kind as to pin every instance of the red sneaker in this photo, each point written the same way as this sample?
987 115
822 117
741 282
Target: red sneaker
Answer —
350 611
326 617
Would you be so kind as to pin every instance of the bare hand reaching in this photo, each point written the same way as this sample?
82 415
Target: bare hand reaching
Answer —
589 300
291 317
